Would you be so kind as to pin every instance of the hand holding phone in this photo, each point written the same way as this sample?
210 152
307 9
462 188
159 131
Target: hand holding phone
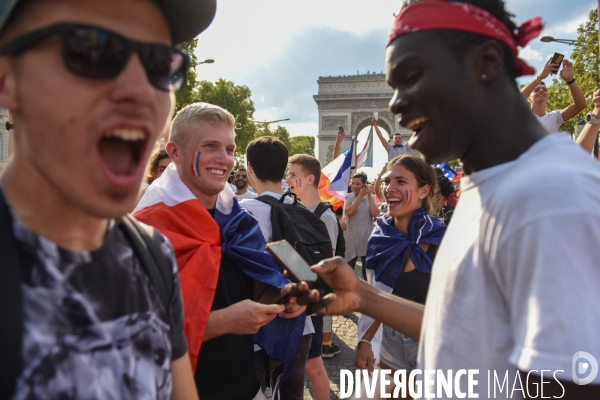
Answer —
297 269
556 59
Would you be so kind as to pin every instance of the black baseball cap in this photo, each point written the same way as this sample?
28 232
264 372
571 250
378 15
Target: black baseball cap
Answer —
186 18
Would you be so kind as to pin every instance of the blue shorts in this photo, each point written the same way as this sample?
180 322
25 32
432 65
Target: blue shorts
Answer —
398 351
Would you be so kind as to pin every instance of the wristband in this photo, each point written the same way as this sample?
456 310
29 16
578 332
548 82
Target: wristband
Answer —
571 81
365 341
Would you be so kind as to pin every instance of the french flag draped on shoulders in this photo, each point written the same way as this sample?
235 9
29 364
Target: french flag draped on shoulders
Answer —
333 186
199 242
388 250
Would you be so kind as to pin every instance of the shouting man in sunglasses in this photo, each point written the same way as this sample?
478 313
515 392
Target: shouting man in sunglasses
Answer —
89 87
240 180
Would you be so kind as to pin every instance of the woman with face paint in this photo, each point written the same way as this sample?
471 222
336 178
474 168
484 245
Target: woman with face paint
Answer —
400 251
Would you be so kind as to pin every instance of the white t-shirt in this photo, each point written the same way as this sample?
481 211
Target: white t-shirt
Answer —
551 121
516 281
262 212
247 195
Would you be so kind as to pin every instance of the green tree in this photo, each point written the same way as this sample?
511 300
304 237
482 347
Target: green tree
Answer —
235 99
187 94
586 61
302 145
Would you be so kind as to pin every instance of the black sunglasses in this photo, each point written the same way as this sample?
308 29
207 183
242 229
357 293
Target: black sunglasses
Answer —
238 176
97 53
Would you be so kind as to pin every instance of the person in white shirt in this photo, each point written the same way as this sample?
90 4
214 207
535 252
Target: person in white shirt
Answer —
303 177
267 160
514 285
394 149
240 181
537 94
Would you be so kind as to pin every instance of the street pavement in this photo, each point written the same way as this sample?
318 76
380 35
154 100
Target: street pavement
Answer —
345 335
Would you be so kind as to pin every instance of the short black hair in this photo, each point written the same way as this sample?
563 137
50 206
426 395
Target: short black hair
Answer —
268 157
360 175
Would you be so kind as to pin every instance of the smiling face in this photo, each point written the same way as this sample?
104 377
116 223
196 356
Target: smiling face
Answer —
402 192
81 140
240 179
205 159
539 95
431 94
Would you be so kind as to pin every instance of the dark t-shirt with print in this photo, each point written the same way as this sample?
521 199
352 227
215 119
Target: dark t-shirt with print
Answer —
93 325
225 369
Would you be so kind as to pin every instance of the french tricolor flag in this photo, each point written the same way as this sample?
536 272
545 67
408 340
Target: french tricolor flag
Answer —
333 186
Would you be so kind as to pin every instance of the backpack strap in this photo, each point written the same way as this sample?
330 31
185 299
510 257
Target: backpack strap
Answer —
11 306
321 208
153 260
278 216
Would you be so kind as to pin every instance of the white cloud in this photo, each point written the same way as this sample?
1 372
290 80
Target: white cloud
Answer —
530 54
567 28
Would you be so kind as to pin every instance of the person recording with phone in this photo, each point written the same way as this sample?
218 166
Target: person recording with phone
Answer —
536 93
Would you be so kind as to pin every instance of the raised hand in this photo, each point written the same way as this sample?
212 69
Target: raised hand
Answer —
567 72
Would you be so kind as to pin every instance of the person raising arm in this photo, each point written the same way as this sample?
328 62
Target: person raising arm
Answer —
537 94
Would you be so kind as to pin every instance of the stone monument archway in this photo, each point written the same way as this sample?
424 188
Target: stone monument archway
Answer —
350 101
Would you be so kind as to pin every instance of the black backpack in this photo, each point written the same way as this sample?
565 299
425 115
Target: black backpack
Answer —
340 244
300 227
152 259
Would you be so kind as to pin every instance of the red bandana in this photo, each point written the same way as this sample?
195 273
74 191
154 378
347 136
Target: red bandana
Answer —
438 14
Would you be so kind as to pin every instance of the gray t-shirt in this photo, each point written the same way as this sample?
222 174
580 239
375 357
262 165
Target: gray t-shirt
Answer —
331 222
359 227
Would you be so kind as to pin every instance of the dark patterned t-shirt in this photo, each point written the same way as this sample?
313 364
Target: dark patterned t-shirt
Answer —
93 326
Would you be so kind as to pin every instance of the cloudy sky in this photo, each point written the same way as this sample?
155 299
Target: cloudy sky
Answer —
279 48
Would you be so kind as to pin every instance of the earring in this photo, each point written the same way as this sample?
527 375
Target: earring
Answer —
483 76
422 197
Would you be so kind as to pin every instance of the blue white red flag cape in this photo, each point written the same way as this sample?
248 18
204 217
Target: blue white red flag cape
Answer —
199 241
388 251
446 170
333 186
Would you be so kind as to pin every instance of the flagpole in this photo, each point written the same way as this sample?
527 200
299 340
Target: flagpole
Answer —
353 167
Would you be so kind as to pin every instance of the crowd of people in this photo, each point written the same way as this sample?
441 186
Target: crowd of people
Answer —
136 270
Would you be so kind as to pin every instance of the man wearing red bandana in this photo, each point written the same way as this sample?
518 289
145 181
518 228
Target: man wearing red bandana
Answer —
519 261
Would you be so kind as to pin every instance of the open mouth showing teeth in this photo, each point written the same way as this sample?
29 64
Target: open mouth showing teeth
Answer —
394 201
120 150
417 123
218 172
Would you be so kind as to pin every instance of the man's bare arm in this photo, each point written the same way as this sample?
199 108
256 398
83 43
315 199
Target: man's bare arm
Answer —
568 75
384 141
528 89
184 387
243 318
353 294
587 137
338 141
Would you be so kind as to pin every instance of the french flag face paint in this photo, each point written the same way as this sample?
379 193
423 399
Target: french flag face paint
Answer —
408 195
196 163
298 182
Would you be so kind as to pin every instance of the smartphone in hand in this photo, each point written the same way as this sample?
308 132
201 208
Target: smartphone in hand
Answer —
297 269
557 58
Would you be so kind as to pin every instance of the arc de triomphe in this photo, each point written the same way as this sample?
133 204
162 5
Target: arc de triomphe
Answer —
350 101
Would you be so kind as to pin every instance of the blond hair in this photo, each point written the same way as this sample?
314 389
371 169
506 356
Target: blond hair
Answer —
197 113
